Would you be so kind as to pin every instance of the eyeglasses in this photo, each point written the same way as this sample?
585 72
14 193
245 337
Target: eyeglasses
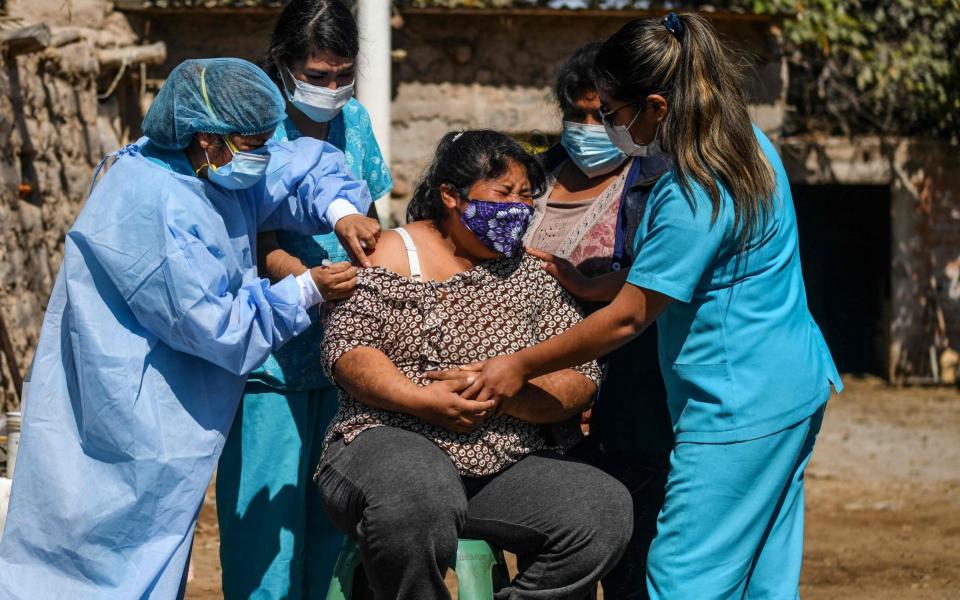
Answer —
234 149
605 115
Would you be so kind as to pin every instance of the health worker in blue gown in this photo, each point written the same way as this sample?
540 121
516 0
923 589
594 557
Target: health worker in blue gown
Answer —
156 317
275 538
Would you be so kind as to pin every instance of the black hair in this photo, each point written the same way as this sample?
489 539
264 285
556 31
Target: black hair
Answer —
306 26
576 77
462 159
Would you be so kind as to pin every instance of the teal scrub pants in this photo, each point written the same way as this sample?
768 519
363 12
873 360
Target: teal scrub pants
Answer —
732 523
275 539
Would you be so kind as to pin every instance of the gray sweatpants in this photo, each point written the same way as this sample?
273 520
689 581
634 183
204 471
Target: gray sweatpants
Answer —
401 497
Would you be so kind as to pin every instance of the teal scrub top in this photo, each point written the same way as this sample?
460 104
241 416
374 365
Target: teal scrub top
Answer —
740 353
295 366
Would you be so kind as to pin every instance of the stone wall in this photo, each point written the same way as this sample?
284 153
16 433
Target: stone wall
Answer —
926 194
464 70
497 71
61 13
50 142
48 112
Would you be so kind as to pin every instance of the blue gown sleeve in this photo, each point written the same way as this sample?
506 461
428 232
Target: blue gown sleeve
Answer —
304 176
175 281
677 241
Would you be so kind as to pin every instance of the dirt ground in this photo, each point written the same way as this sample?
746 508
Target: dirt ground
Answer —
883 500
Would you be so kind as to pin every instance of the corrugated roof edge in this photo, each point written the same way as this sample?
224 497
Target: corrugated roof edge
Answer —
472 7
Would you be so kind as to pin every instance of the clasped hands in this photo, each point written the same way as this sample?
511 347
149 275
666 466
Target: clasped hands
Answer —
461 399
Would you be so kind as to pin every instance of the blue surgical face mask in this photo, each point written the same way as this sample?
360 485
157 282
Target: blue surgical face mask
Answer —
244 171
319 104
590 148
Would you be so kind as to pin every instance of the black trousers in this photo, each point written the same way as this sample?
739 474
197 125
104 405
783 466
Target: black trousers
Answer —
631 436
645 476
401 497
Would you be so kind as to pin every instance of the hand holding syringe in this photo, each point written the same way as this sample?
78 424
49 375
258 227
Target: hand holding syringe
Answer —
336 281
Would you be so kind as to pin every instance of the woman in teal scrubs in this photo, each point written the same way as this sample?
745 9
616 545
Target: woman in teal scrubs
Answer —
747 371
275 539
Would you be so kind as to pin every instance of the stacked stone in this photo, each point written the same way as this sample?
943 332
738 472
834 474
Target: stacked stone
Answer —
49 145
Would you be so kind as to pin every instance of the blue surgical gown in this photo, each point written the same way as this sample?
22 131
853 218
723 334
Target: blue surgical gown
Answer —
155 319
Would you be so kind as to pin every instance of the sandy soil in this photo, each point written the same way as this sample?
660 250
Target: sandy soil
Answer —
883 500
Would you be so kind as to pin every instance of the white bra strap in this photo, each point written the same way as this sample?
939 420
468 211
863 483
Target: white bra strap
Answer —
412 257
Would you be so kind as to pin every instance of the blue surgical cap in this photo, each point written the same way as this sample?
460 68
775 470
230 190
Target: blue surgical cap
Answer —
213 95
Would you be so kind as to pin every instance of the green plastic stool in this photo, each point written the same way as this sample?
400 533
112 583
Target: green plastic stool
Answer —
480 570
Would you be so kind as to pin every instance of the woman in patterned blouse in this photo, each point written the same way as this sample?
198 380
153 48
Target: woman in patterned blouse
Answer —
410 465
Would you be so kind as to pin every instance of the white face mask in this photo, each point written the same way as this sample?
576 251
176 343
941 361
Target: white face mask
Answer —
622 139
320 104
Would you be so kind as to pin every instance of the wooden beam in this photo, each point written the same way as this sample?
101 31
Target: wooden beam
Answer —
64 37
152 54
154 11
12 364
24 40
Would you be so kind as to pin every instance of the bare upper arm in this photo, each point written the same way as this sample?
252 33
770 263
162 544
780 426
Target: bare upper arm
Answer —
391 254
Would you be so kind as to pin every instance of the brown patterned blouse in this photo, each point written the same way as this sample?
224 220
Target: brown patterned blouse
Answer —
497 307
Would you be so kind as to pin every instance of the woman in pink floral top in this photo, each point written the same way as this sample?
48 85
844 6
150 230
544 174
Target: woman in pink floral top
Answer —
594 196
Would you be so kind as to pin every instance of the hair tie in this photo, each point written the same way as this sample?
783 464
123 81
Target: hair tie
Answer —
673 24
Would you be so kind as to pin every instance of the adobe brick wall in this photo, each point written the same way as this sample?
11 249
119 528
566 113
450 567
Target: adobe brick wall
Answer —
924 180
927 184
48 128
52 135
465 71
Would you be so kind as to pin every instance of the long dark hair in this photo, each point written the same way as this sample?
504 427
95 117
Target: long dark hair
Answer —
707 130
305 26
464 158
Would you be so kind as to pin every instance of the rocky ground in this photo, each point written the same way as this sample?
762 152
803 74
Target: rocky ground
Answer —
883 500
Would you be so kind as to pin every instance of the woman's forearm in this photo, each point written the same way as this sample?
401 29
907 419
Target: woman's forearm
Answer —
604 288
552 398
372 378
275 262
614 325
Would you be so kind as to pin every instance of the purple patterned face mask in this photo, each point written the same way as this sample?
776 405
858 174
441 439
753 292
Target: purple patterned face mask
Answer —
498 225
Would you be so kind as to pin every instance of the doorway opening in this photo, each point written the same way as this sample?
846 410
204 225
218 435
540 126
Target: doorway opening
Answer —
845 236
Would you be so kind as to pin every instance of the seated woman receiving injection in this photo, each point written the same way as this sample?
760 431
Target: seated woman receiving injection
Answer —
411 465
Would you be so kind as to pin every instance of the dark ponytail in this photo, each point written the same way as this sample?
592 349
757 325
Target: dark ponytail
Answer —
707 130
306 26
461 160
